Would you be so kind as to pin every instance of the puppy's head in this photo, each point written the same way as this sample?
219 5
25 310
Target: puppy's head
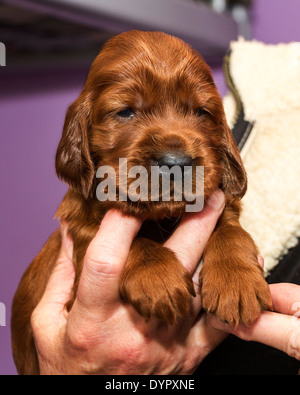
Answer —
150 99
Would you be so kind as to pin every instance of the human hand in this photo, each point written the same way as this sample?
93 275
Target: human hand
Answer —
279 329
103 335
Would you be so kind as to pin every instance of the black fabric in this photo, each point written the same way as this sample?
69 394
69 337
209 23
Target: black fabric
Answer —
237 357
242 129
288 269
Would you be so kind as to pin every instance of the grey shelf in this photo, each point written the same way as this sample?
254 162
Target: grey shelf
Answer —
196 23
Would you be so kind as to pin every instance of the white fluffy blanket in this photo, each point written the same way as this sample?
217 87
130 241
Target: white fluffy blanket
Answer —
267 78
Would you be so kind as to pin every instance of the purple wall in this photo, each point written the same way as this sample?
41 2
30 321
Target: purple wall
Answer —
32 112
275 21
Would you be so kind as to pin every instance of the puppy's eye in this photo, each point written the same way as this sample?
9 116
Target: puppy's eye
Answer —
200 112
127 113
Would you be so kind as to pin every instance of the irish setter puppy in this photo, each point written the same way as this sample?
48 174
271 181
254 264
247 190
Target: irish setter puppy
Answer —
151 99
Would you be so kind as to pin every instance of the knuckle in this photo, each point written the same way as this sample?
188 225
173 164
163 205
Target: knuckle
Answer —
129 351
99 272
42 335
293 348
132 354
108 262
35 319
82 339
107 267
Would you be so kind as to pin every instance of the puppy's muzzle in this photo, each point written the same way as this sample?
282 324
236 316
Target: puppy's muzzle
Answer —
171 159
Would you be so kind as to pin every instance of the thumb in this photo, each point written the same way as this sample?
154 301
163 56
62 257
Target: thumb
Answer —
106 256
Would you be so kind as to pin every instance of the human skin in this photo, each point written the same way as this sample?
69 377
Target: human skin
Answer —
102 334
279 328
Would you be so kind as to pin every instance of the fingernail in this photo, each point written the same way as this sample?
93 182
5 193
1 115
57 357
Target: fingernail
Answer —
217 324
217 200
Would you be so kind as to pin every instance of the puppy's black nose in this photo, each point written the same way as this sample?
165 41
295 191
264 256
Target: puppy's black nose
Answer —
171 159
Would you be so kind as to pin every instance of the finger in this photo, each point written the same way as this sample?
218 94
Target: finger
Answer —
190 238
203 338
285 297
272 329
50 314
261 261
105 260
59 286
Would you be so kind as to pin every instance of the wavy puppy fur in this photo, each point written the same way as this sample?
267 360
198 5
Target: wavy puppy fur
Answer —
148 95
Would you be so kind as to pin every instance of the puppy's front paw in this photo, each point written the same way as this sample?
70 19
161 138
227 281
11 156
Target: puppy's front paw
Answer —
236 295
158 285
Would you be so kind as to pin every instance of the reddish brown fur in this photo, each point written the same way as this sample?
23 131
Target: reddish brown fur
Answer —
164 81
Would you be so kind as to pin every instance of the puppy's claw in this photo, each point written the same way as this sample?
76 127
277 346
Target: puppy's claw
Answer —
239 299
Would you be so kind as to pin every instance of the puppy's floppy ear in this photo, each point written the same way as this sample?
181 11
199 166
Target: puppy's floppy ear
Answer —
74 164
234 180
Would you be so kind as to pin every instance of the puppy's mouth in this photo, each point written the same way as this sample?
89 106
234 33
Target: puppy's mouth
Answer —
150 210
169 187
